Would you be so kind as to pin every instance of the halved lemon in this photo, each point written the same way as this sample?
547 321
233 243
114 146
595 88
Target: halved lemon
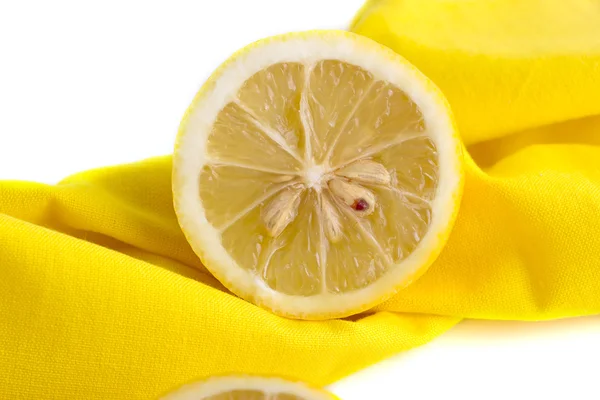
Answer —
317 173
248 388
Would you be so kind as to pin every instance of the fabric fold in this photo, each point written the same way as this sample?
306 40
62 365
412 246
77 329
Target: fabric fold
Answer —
103 298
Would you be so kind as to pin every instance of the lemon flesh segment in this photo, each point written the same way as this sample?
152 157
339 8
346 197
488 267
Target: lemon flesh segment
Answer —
242 387
319 185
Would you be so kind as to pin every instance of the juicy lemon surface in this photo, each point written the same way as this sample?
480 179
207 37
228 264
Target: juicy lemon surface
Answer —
240 387
317 173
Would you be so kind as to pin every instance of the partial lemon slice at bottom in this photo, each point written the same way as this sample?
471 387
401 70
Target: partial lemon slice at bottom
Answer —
248 388
317 173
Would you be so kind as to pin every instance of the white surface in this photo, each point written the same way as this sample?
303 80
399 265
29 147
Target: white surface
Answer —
86 84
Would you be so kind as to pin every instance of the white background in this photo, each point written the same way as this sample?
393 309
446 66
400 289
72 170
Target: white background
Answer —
87 84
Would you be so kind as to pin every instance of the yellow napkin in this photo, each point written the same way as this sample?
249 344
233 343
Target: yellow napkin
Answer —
101 297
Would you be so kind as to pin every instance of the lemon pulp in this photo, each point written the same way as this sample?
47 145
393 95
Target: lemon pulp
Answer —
247 387
348 116
320 179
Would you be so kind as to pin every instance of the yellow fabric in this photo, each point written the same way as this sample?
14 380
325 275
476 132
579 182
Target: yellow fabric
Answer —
101 297
504 65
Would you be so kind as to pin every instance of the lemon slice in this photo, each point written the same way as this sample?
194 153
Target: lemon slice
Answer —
317 173
248 388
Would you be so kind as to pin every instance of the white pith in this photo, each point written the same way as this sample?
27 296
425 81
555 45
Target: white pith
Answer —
219 385
205 239
313 176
